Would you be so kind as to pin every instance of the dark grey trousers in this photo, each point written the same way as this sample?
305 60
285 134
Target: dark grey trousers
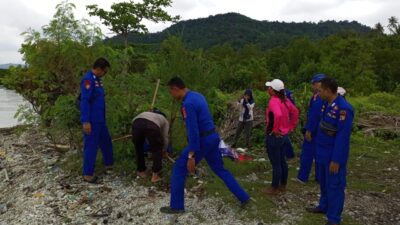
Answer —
246 126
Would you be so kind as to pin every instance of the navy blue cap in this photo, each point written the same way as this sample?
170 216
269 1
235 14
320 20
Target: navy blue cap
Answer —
318 77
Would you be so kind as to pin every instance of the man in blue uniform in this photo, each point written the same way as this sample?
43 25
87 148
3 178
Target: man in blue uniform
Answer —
289 95
93 119
307 156
333 146
203 141
288 146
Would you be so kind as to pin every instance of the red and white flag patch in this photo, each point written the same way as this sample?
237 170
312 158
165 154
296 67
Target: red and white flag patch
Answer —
343 114
87 84
184 114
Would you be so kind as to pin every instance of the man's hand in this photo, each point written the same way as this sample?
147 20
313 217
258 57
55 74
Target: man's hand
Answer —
308 136
87 128
334 167
191 163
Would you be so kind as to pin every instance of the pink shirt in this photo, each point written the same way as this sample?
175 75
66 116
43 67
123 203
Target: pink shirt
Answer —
285 114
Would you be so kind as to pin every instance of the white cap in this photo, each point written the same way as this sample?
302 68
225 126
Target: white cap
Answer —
276 84
341 91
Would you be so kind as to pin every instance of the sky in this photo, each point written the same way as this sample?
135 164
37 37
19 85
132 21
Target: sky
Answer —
16 16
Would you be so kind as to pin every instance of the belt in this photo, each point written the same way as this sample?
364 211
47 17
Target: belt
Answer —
328 129
207 133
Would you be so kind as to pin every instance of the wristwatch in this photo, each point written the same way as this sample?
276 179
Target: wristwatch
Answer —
191 156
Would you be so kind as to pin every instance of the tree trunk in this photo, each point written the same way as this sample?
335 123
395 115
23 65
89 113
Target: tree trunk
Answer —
126 40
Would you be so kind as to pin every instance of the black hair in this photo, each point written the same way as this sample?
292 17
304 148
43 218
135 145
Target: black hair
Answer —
101 63
176 82
155 110
281 95
329 83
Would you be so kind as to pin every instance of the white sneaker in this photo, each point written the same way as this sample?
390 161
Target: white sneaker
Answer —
298 181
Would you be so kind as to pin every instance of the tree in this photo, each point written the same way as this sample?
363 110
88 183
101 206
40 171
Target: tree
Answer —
55 59
394 26
126 17
64 27
378 28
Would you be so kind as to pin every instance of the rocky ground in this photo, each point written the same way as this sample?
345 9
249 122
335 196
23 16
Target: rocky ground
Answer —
38 191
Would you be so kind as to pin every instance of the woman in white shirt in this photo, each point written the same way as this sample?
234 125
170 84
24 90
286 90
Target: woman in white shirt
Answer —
246 105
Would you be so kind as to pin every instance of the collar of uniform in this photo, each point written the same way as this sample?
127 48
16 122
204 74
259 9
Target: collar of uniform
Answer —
335 101
187 93
94 76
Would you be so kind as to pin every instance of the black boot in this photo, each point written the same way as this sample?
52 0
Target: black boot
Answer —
315 210
169 210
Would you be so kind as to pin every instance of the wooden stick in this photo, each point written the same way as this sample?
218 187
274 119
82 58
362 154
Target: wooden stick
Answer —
122 138
155 94
170 159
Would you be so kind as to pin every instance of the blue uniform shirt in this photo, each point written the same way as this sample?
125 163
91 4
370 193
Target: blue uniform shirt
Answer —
289 95
197 118
92 104
314 114
334 130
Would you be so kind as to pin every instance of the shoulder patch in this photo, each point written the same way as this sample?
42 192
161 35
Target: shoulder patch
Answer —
184 114
87 84
343 114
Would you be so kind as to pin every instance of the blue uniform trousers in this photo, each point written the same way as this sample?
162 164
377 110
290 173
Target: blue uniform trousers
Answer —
208 150
307 157
332 192
99 137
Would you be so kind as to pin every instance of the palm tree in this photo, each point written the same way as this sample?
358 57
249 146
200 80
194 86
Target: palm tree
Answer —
394 26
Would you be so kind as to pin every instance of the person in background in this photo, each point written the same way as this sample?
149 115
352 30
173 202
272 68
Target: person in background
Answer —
153 127
307 156
341 91
289 150
333 147
246 104
203 142
281 119
93 119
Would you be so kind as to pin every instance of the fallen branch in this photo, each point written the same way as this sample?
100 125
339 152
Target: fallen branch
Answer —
122 138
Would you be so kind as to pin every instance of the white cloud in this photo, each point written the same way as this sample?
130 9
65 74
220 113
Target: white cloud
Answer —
17 16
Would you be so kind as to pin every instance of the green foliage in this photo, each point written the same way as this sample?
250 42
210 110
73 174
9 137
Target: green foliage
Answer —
377 102
3 73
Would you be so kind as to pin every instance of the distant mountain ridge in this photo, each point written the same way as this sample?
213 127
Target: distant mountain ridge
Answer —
8 65
238 30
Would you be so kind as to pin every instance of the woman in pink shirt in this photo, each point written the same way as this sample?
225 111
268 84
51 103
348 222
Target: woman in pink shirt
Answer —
281 119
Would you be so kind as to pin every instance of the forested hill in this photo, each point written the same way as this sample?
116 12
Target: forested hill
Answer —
238 30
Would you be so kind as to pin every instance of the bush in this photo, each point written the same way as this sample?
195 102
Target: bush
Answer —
377 102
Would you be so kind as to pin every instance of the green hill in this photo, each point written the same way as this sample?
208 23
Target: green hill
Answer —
238 30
